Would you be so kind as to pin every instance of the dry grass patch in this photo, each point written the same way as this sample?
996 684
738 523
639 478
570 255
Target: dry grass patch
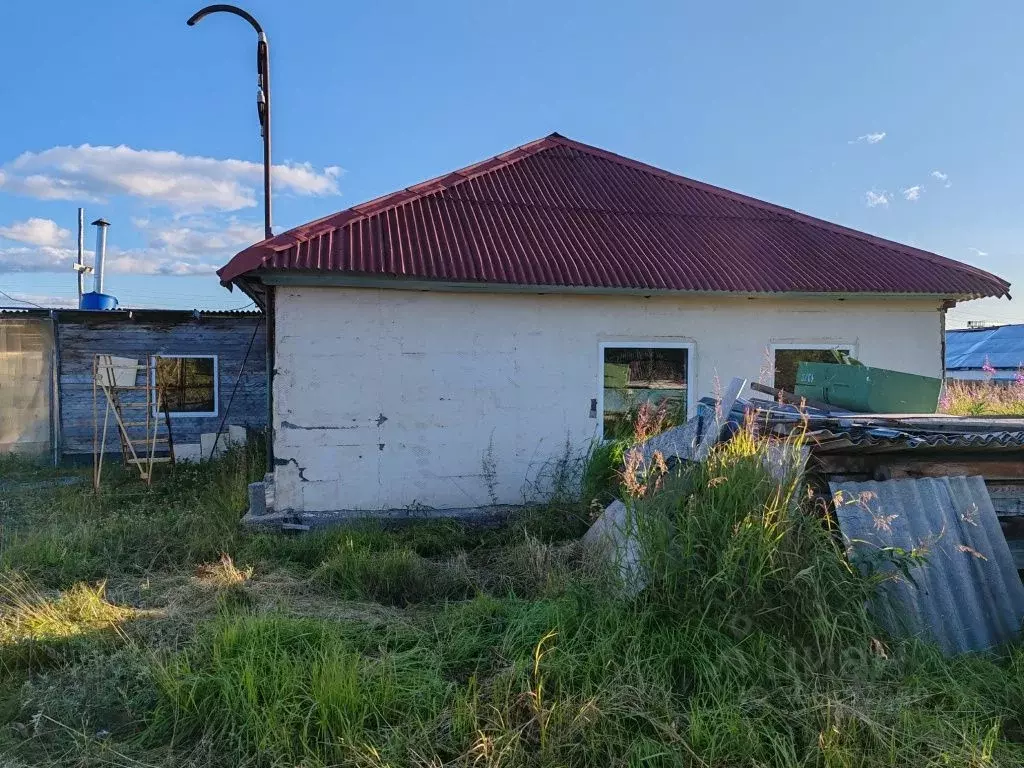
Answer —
223 574
27 614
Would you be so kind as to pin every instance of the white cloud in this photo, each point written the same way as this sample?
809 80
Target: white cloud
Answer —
943 178
977 251
874 198
144 261
138 261
199 237
188 245
40 259
182 182
36 231
869 138
912 193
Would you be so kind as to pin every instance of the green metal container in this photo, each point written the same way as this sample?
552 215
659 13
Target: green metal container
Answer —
867 390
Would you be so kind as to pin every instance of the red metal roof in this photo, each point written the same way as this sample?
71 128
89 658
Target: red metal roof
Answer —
556 212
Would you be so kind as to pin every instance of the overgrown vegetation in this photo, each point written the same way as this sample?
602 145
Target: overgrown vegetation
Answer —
983 398
141 627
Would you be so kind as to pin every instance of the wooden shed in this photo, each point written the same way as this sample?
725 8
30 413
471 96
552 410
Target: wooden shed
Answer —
212 365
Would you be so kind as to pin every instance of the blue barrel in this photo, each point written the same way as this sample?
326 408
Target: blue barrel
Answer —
93 300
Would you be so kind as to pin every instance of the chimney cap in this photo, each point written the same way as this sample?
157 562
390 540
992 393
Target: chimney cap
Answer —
101 223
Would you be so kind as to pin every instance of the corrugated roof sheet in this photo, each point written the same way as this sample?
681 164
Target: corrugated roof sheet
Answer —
968 596
888 440
126 311
560 213
1002 347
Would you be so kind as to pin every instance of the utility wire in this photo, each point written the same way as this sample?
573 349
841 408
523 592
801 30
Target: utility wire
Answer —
234 389
22 301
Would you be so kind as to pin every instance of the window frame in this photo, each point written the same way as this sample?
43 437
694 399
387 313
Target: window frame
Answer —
849 348
691 357
216 387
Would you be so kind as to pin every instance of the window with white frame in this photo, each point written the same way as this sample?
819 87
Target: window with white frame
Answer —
188 384
786 358
633 373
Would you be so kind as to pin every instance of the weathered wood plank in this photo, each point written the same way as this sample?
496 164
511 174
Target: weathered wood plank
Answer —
228 338
990 469
893 466
1007 498
1017 550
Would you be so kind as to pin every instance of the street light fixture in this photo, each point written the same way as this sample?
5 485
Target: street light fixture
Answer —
262 94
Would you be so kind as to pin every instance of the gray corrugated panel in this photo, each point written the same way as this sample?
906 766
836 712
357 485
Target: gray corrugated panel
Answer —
863 441
968 595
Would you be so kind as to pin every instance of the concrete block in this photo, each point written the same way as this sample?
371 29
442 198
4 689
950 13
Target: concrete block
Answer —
613 538
268 490
187 452
236 435
257 499
679 442
207 440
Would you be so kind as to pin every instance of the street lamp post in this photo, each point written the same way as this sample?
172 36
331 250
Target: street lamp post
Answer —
262 95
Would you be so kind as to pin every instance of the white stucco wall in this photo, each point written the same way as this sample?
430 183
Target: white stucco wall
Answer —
386 399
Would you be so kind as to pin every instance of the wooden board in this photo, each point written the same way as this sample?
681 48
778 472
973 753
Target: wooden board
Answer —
887 466
1017 550
990 469
1007 498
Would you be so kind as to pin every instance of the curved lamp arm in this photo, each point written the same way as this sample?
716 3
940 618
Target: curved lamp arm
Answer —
262 96
202 13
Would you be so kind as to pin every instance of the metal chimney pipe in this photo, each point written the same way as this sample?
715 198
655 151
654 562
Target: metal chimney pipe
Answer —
79 263
101 254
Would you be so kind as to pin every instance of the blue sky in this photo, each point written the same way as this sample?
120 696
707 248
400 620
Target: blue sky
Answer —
901 119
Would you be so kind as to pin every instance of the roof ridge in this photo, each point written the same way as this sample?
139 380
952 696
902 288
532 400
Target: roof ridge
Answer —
765 205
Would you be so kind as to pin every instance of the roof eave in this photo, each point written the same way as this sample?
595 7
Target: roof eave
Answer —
314 278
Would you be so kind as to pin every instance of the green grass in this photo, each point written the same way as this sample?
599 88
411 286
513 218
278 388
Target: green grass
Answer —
438 644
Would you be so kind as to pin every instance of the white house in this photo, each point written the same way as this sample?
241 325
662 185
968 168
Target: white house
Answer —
440 346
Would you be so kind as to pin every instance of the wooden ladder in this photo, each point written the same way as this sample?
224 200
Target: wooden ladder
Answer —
124 400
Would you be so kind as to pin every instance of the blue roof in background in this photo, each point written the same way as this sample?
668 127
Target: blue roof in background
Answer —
1003 346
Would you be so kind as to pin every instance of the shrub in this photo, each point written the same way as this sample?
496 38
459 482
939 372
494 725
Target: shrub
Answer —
728 534
602 474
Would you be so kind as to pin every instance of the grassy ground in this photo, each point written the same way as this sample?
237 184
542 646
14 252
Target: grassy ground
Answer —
141 627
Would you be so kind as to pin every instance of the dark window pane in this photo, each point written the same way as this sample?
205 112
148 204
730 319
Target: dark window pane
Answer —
187 383
634 375
787 360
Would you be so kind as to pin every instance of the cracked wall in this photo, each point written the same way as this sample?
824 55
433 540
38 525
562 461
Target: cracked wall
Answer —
389 399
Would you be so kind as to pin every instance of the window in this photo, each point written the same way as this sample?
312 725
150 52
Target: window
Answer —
633 373
188 383
786 358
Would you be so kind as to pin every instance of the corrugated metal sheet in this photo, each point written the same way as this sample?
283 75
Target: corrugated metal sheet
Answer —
70 312
1001 347
968 595
876 441
561 213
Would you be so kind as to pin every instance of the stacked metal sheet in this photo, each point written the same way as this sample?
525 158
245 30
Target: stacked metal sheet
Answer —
966 595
